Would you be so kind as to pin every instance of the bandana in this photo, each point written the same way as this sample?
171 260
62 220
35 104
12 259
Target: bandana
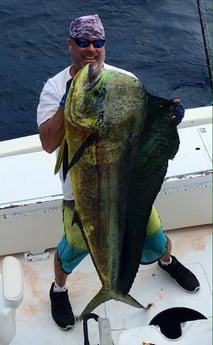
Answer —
87 26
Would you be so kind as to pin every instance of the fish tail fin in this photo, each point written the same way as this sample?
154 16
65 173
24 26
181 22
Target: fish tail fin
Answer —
105 295
128 299
102 296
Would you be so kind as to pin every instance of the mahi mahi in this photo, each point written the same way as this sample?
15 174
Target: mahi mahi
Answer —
117 143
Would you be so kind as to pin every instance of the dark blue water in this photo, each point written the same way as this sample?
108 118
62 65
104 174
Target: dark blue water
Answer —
163 42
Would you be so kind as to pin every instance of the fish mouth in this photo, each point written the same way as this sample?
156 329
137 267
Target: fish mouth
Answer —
94 69
93 76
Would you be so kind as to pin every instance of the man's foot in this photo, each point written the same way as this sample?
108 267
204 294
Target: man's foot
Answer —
183 276
61 309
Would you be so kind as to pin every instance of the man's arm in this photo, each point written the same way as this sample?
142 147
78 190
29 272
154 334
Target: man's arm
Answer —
52 131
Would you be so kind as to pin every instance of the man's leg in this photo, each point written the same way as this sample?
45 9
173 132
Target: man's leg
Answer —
60 275
60 305
66 259
158 247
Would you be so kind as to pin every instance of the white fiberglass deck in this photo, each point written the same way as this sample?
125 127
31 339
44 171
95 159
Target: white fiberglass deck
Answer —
193 246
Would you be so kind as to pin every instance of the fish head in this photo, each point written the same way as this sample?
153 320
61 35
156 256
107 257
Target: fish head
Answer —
85 100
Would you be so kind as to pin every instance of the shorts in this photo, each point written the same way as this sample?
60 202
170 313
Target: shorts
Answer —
72 247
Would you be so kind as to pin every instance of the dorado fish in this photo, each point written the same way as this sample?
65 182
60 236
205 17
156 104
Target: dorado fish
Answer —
117 157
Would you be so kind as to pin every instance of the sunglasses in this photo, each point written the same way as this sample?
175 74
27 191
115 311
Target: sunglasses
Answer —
84 43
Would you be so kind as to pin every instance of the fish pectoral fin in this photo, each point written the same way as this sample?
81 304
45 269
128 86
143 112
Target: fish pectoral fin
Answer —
60 156
105 295
79 153
63 154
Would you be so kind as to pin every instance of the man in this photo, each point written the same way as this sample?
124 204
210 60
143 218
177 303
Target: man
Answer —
86 44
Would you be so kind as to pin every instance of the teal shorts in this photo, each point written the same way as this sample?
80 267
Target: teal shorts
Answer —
72 247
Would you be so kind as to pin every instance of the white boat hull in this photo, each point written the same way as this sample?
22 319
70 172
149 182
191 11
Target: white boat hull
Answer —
30 217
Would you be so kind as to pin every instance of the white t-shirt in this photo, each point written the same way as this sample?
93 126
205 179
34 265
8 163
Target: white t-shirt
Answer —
50 98
197 332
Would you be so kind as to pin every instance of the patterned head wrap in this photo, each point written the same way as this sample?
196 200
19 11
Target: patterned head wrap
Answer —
87 26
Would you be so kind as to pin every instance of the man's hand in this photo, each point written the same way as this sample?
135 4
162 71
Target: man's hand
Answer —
63 100
177 111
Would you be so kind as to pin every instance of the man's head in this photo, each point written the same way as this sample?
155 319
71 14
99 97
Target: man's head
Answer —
87 42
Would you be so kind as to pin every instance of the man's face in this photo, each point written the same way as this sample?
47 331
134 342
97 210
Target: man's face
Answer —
84 55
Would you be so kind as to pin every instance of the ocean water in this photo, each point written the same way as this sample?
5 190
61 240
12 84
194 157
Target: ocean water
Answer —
166 43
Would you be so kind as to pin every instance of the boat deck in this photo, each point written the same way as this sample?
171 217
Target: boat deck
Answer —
192 246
